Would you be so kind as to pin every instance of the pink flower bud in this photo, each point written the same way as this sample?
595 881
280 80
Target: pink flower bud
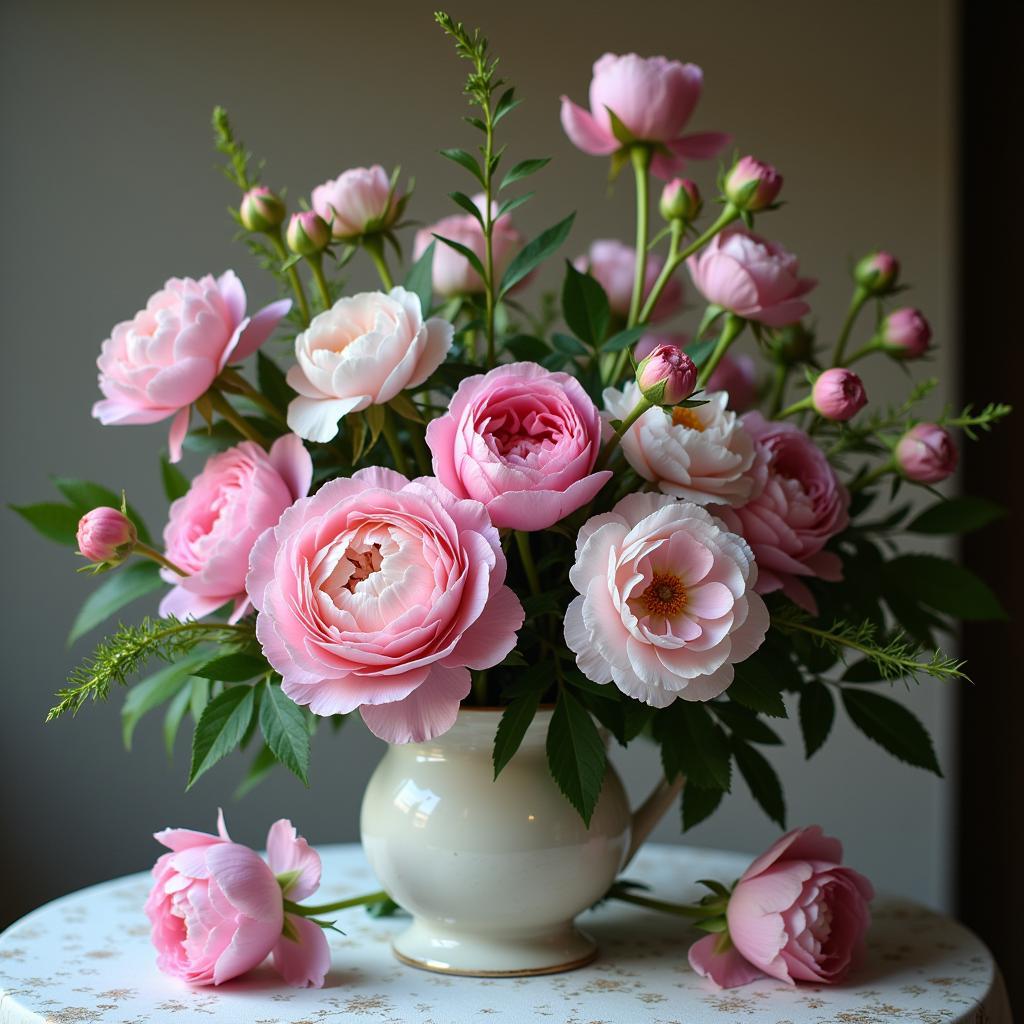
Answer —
838 394
308 233
667 376
752 185
261 210
106 535
680 200
877 272
905 334
927 454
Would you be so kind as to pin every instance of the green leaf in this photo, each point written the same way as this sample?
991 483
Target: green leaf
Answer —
762 781
942 585
864 671
693 745
757 689
698 804
272 381
123 585
221 729
175 482
464 159
420 278
535 252
513 204
233 668
617 342
585 306
892 727
463 250
505 105
817 712
524 169
568 345
957 515
284 727
576 755
152 692
461 199
174 715
515 720
260 768
744 722
527 348
699 351
55 522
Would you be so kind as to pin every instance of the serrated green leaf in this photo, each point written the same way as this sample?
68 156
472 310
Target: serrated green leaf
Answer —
762 781
284 728
221 728
817 712
175 482
466 160
150 693
585 306
892 726
120 587
233 668
512 726
272 381
576 755
693 745
535 252
744 722
699 804
942 585
55 522
524 169
758 690
957 515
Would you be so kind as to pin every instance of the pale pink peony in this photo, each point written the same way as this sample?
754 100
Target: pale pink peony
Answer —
217 909
358 201
523 441
800 507
927 454
380 594
666 605
702 454
106 535
613 264
212 528
751 277
654 99
452 273
158 363
796 914
737 375
363 351
838 394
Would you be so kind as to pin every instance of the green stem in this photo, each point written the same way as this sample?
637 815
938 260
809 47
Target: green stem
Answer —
391 436
316 265
235 380
875 474
526 556
638 410
489 295
872 346
860 296
374 247
730 332
480 694
801 406
779 379
293 275
304 910
681 909
230 413
640 155
155 556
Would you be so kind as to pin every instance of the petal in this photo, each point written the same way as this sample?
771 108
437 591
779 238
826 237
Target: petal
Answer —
317 419
246 881
287 852
185 604
584 132
427 712
260 327
176 435
305 963
289 457
724 970
249 947
493 635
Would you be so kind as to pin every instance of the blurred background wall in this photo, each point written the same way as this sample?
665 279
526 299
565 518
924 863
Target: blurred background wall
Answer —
108 188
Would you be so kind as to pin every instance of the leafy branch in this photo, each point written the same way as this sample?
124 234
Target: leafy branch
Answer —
857 437
968 420
236 166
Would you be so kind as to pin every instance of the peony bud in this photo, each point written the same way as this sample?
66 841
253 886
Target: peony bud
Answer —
680 200
667 376
926 454
308 233
261 210
877 272
752 185
792 344
106 535
838 394
905 334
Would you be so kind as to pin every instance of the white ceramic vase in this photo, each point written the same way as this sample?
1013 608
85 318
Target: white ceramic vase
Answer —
494 872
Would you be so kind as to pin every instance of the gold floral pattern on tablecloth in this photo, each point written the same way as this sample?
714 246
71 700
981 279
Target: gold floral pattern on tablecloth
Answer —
86 959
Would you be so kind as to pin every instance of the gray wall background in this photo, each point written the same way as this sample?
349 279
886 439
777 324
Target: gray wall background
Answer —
108 189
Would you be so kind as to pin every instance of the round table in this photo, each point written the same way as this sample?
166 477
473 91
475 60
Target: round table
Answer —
86 957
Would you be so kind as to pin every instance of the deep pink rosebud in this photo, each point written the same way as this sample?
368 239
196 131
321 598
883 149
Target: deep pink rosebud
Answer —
838 394
680 200
752 185
877 272
261 209
308 233
926 454
106 535
667 376
905 333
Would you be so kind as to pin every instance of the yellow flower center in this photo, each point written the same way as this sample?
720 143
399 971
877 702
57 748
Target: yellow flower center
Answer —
665 595
683 417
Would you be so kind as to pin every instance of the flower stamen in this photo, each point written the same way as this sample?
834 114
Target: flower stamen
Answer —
665 595
684 417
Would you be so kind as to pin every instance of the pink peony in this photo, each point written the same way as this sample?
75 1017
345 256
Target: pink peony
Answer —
838 394
801 506
751 277
211 530
927 454
380 594
701 454
158 363
308 233
649 342
797 914
737 376
680 200
106 535
523 441
612 264
666 605
217 909
752 185
906 334
358 201
362 351
666 376
654 99
876 273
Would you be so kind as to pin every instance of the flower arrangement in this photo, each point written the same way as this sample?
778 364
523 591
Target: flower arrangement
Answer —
455 496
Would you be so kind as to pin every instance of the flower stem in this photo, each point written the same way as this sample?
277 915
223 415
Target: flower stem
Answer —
801 406
303 910
234 380
293 275
375 249
860 296
638 410
391 436
155 556
230 413
730 332
526 556
681 909
872 346
778 389
869 478
640 155
316 266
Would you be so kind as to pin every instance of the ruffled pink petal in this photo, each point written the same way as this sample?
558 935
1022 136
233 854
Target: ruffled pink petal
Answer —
493 634
537 510
303 964
584 132
429 711
178 839
287 851
724 970
808 843
289 457
260 327
246 881
179 430
186 604
233 293
249 947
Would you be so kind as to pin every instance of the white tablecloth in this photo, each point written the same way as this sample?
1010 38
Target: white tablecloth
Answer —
87 958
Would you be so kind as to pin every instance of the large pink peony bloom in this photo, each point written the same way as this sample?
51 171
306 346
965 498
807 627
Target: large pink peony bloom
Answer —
362 351
612 264
523 441
666 605
654 99
751 277
358 201
800 507
212 528
217 909
159 362
797 914
380 594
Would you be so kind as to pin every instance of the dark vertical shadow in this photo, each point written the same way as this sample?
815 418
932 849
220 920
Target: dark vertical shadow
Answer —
990 833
